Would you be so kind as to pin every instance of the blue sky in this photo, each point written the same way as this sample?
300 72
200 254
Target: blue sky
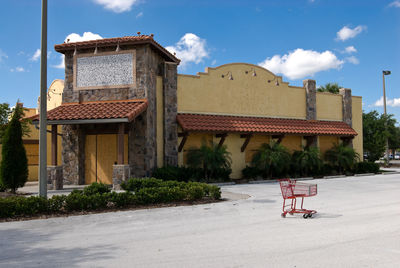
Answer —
349 42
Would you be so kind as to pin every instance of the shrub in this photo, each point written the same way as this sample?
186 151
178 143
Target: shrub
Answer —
251 172
56 203
14 163
136 184
273 160
211 159
342 157
96 188
366 167
307 162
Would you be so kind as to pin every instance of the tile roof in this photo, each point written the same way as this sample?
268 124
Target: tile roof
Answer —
117 109
240 124
122 41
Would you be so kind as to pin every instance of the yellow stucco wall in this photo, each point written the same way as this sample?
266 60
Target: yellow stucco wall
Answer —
160 122
255 143
55 94
357 125
246 94
292 143
326 142
329 106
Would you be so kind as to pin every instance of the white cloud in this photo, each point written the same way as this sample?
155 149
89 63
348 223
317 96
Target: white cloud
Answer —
346 33
139 15
74 37
36 55
301 63
61 65
352 60
350 49
117 6
190 48
389 102
214 62
395 4
2 55
18 69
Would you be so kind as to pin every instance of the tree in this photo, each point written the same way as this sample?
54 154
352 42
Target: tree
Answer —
376 129
14 163
210 158
5 113
273 159
342 157
330 87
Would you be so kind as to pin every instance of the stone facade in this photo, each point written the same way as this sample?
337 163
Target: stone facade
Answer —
347 105
170 111
311 99
55 177
121 173
73 154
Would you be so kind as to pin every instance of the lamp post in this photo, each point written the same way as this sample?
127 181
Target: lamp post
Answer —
384 110
43 106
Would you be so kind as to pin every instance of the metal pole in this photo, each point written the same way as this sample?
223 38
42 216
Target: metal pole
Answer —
43 106
384 111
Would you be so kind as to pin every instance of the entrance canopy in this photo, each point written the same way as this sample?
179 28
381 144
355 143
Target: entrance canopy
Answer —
262 125
95 112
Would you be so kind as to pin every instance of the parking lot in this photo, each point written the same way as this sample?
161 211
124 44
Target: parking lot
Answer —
357 225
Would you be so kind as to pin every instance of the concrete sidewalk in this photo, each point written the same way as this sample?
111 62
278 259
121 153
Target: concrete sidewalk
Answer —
357 225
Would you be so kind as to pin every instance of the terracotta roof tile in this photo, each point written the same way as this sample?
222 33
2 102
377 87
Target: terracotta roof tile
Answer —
126 40
223 123
121 109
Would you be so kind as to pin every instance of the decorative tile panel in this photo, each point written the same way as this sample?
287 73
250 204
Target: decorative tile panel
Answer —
104 71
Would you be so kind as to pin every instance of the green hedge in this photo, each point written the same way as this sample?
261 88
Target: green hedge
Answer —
366 167
99 196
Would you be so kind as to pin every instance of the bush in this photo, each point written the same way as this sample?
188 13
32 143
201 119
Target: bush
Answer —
98 196
96 188
251 172
273 160
366 167
211 159
307 162
342 157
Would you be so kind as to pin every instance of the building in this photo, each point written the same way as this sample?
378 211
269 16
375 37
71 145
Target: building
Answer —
126 111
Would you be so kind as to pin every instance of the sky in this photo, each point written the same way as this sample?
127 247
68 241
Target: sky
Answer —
345 41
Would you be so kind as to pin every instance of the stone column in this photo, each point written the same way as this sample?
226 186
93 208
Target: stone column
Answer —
121 173
311 107
55 177
170 111
347 105
347 112
73 155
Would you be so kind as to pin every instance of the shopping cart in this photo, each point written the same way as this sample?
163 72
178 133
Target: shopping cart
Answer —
291 190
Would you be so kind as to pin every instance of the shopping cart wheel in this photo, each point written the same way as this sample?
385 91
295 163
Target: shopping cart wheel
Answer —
305 216
283 215
310 215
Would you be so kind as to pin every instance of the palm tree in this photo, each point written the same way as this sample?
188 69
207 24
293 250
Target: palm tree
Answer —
307 161
273 159
210 158
342 157
330 87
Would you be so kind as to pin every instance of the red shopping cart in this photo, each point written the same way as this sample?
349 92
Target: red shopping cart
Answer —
291 190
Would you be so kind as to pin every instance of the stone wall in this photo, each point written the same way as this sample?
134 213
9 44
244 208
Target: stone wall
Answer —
311 99
347 105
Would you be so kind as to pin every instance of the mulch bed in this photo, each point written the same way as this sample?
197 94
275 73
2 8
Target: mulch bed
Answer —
79 213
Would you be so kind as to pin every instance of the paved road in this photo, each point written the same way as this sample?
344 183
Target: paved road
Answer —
358 225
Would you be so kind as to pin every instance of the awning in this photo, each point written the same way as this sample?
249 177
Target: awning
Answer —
265 125
95 112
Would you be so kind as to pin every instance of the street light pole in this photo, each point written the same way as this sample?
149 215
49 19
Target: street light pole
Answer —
43 106
384 110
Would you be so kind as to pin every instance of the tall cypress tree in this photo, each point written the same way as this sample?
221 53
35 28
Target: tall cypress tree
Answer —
14 163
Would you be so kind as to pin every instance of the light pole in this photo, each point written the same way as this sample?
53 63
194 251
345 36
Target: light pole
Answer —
384 110
43 106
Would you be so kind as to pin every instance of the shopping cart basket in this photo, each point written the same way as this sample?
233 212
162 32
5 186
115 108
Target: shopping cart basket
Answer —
291 190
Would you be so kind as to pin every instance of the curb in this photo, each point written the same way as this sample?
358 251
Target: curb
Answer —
363 174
